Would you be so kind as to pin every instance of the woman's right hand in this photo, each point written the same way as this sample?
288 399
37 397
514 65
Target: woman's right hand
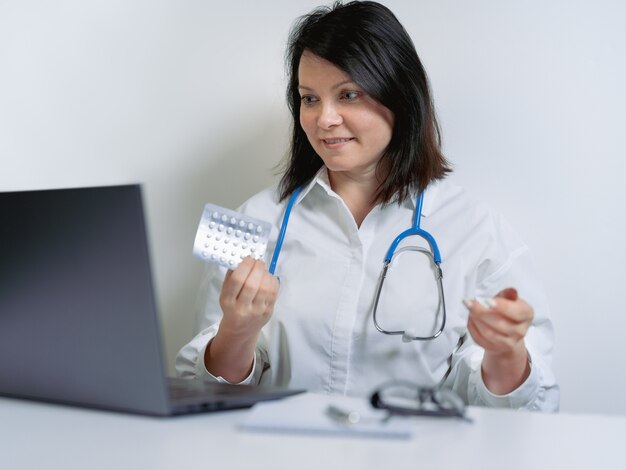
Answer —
247 300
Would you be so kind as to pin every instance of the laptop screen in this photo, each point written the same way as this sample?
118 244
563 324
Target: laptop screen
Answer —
78 321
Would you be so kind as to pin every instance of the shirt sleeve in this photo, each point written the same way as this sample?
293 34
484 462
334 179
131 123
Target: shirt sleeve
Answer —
190 359
540 390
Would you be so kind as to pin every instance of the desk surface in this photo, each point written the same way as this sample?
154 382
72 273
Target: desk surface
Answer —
37 435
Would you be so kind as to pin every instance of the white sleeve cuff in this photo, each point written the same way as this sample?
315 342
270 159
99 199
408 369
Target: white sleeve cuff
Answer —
201 370
190 360
521 397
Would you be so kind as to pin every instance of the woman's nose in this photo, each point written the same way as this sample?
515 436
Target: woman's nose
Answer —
329 117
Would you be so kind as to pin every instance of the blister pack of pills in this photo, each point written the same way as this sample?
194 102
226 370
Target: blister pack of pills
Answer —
226 237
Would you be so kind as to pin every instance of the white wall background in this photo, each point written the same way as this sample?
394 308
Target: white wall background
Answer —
186 97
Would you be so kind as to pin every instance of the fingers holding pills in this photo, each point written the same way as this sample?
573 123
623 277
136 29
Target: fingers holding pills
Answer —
248 296
266 295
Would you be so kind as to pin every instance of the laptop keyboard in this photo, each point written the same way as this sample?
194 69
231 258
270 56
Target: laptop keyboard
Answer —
190 388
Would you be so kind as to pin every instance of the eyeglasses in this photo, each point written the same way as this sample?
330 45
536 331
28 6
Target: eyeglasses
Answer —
405 398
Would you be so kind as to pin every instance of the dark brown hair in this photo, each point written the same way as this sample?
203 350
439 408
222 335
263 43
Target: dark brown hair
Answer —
366 40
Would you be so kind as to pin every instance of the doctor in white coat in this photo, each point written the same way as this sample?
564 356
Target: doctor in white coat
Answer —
365 145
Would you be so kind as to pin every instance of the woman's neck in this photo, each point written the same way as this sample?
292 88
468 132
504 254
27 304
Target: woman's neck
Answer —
358 193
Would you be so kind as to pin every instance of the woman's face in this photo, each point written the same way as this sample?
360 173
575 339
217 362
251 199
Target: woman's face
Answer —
348 129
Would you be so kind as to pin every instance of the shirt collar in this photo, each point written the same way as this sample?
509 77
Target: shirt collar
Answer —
430 198
321 179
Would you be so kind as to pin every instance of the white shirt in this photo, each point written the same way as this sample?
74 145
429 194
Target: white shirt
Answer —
321 336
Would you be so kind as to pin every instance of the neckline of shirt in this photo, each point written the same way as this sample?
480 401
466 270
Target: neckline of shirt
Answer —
321 179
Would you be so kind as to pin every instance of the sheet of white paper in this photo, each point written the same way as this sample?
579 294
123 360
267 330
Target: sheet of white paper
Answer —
308 413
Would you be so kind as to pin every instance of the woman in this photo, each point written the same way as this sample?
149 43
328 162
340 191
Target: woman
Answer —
365 145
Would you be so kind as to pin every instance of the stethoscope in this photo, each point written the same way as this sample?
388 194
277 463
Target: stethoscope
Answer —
392 252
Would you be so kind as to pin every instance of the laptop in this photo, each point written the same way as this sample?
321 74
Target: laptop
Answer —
78 318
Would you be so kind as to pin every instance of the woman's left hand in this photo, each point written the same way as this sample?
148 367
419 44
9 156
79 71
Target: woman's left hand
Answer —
500 328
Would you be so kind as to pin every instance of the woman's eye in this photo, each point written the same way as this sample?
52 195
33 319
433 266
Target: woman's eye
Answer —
350 95
308 99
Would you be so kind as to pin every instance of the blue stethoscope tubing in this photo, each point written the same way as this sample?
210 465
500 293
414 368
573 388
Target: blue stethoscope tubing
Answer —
283 229
415 230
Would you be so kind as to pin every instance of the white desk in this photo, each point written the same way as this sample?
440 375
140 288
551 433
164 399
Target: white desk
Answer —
42 436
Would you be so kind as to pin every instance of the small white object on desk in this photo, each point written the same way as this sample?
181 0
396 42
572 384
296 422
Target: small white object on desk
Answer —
328 415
